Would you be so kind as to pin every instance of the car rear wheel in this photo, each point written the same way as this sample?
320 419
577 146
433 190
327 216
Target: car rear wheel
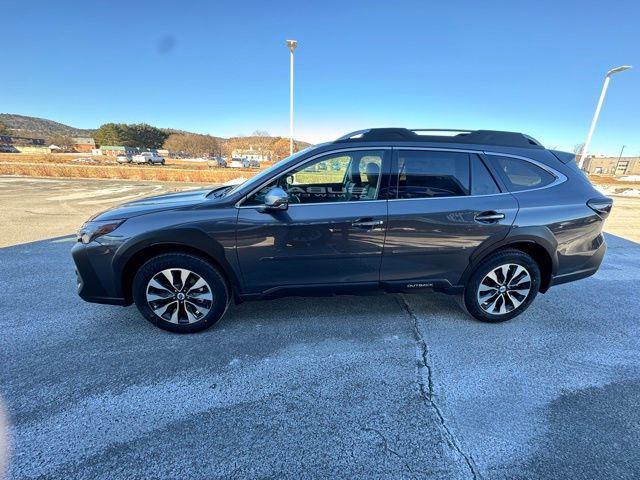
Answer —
502 286
180 292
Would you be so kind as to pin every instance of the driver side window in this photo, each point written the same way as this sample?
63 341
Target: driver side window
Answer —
339 177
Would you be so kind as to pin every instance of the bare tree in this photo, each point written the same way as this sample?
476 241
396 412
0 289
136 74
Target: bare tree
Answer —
65 143
191 144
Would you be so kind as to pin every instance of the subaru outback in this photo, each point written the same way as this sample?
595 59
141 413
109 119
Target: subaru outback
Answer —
492 217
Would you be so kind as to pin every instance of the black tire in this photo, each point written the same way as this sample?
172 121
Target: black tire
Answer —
199 266
470 299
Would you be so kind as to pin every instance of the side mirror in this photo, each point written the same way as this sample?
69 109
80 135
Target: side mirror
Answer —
276 199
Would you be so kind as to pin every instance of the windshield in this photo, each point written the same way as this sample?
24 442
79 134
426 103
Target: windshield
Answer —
267 171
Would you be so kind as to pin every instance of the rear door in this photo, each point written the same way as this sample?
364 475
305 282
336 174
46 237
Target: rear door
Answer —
331 234
443 204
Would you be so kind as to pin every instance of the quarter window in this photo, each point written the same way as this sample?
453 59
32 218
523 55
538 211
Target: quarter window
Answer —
426 174
340 177
520 174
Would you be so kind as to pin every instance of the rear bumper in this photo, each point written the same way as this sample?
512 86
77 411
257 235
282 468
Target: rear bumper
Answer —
586 270
94 278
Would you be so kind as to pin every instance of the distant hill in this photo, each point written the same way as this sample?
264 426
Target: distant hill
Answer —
23 126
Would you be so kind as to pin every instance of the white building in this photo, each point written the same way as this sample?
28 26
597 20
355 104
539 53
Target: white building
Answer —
252 154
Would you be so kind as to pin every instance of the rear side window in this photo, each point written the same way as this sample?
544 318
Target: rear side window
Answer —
426 174
482 183
520 175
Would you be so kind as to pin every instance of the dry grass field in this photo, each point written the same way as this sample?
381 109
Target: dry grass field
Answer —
67 166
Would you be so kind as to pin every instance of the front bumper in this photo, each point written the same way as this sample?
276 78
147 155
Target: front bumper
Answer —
95 276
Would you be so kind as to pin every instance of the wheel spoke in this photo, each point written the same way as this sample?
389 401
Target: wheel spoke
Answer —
175 315
184 275
487 293
200 295
163 309
166 274
155 296
519 280
504 270
492 276
516 273
158 286
514 300
199 284
197 311
503 305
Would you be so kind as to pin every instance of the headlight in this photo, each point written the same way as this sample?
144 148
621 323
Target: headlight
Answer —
92 230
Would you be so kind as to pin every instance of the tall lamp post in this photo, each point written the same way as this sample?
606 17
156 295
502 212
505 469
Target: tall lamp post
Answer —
291 45
605 85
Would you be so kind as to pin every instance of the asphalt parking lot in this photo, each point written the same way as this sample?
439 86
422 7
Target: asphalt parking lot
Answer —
346 387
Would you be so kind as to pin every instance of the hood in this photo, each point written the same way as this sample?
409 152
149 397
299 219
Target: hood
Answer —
167 201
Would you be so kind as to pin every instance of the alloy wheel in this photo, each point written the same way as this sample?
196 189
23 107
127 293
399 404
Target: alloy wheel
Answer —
504 289
178 295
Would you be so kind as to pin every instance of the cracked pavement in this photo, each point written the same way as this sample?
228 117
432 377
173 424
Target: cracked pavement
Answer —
343 387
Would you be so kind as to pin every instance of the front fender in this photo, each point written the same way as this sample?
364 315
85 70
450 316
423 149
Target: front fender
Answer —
186 238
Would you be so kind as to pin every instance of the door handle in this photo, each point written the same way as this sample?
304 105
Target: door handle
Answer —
489 217
367 223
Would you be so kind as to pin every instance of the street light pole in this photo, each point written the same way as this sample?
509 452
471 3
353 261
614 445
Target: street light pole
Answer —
594 120
291 44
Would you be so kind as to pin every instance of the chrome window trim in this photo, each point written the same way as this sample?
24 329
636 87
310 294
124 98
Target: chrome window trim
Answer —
304 162
327 203
448 198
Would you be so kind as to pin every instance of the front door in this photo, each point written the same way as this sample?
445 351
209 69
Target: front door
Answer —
442 206
331 234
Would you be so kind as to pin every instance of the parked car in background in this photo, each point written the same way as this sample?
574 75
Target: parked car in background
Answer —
151 158
492 217
123 159
247 163
217 162
236 163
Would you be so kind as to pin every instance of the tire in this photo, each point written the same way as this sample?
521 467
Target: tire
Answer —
489 294
189 302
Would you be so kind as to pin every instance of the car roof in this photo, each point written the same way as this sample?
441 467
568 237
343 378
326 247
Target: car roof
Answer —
459 136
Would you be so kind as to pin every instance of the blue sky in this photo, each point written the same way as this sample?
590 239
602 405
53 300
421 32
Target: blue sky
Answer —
222 67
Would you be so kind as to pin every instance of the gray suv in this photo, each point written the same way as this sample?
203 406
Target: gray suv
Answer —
492 217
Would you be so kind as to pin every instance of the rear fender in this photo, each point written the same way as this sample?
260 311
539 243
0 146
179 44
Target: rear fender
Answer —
537 235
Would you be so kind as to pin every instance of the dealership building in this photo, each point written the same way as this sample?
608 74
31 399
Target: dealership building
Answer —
617 166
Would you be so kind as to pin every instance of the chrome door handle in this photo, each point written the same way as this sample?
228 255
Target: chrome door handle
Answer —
489 217
367 223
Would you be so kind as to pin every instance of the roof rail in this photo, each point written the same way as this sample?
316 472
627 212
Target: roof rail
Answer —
487 137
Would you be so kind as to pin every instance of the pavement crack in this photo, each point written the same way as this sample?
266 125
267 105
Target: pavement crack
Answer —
427 392
387 448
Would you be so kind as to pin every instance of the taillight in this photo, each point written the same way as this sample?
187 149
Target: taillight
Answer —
602 206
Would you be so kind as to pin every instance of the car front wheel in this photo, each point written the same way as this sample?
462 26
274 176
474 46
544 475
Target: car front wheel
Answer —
502 286
180 292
